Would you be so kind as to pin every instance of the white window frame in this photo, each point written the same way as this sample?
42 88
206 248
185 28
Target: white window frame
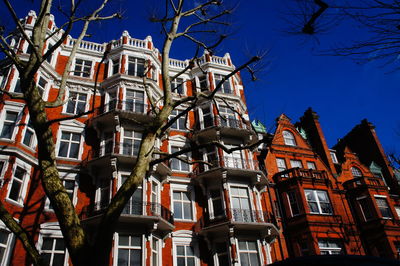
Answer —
279 165
174 113
15 109
4 78
289 139
258 251
183 83
24 184
188 189
142 248
397 209
8 246
33 142
188 156
51 230
330 250
135 71
185 240
296 201
210 106
67 176
311 165
250 199
45 88
133 138
142 186
69 92
387 205
136 100
4 159
211 203
222 89
80 74
70 129
333 157
111 63
98 192
14 80
108 99
296 163
158 252
362 209
356 172
228 253
315 194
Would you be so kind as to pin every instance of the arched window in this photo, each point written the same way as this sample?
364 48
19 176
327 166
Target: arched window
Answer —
356 172
289 139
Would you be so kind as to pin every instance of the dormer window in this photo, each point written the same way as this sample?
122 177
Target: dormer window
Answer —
288 138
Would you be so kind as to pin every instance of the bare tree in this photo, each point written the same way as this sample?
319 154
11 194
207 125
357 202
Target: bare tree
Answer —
181 20
376 20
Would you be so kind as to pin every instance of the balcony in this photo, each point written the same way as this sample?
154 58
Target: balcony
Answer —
142 215
126 154
257 224
239 167
297 174
129 110
365 182
225 126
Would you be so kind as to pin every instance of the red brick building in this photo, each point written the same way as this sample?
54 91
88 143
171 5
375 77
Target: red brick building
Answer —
291 196
331 201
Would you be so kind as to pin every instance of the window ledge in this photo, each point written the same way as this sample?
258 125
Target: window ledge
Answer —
13 202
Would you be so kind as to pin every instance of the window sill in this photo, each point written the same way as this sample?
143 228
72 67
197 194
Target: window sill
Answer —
13 202
68 159
69 114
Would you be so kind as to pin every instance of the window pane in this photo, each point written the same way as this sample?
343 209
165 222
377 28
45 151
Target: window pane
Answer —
123 240
123 257
47 243
178 210
59 244
136 257
254 260
58 259
15 190
187 208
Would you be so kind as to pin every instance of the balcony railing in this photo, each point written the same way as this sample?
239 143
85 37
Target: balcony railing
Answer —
127 105
301 172
135 208
226 122
364 181
228 162
110 148
248 216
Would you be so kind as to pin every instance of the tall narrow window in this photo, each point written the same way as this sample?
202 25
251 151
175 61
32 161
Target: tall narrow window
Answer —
241 207
29 135
221 250
207 116
131 142
53 251
76 103
83 68
134 101
333 157
179 124
129 250
17 87
365 207
185 255
288 138
177 85
108 143
69 145
318 201
9 124
3 77
136 66
17 185
211 156
226 85
182 205
42 83
294 206
383 207
203 83
135 203
281 164
179 164
103 193
217 203
50 57
155 251
115 68
5 245
248 252
112 100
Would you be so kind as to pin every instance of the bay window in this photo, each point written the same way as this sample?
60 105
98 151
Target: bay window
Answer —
318 201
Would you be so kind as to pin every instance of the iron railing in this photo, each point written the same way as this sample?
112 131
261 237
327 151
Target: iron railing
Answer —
301 172
247 216
228 162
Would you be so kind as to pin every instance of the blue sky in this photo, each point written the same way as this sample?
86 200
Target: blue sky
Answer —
340 91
